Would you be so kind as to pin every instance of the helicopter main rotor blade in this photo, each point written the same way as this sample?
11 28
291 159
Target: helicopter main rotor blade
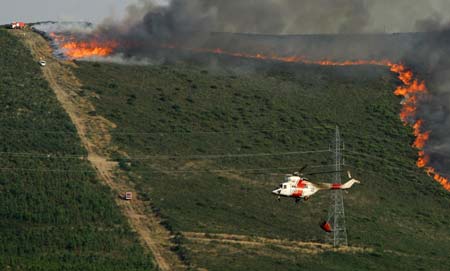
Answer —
324 172
303 168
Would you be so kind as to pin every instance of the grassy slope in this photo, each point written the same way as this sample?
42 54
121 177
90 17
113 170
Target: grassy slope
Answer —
51 220
397 208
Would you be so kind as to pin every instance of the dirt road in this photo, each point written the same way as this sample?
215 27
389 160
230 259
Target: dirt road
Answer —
254 241
95 136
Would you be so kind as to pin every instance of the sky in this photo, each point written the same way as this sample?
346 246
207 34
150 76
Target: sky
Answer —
67 10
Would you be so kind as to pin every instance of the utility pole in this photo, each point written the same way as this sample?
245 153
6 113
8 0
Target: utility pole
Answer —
336 213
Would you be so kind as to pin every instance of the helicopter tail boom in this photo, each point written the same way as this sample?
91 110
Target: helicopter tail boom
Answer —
338 186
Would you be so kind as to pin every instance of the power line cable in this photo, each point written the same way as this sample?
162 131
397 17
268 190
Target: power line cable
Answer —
383 175
149 157
162 171
214 156
384 165
371 156
164 132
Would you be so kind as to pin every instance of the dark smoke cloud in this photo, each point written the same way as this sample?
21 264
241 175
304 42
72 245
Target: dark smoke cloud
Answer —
436 23
292 16
431 57
182 20
300 16
256 16
192 23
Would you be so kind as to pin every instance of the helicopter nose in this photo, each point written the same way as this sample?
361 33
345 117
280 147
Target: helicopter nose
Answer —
276 191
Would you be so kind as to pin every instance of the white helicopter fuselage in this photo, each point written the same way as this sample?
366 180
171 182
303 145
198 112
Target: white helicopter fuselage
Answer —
296 187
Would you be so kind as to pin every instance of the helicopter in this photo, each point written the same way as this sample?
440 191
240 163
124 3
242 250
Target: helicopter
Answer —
300 188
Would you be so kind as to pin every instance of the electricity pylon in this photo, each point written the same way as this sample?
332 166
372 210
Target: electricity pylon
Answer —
336 213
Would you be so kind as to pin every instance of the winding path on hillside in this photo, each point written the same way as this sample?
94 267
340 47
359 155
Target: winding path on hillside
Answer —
95 137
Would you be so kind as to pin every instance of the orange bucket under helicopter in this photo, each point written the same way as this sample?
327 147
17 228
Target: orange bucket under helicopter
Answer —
326 226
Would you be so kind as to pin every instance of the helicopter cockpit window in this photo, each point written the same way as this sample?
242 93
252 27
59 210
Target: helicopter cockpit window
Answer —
284 186
281 185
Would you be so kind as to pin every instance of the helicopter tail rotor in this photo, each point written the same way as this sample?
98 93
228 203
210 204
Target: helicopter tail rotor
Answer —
351 182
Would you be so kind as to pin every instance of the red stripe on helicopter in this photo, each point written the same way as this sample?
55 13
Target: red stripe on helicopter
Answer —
336 186
298 193
299 190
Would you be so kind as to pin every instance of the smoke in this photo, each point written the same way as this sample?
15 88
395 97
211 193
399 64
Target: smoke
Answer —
431 56
196 24
436 23
149 21
294 16
152 24
59 27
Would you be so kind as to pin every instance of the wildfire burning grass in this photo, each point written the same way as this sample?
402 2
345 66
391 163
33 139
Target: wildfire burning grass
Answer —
411 90
75 49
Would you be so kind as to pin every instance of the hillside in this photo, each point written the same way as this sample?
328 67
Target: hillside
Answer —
196 141
55 213
203 145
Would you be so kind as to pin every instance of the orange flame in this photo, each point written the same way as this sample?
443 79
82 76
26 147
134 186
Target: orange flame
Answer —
74 49
423 161
421 137
411 91
443 181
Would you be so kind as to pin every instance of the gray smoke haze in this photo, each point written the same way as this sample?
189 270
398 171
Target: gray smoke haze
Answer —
431 57
196 23
436 23
300 16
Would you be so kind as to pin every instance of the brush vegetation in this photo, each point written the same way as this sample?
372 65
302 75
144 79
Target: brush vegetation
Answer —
171 118
55 214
